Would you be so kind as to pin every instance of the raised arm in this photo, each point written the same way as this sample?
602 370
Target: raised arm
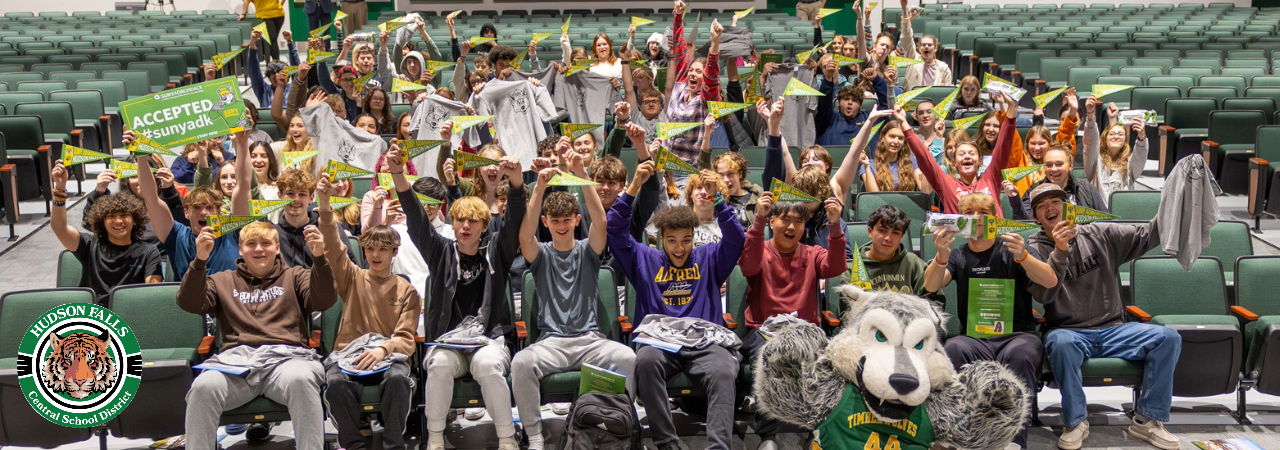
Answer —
1138 158
1004 143
334 249
67 234
848 171
618 135
529 226
253 70
753 251
906 38
1091 140
777 162
243 192
680 58
161 219
711 78
924 158
936 275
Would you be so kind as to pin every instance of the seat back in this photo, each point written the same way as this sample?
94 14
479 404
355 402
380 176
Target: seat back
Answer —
1257 279
1135 205
155 318
10 100
1235 127
137 82
606 305
1230 240
915 205
1265 104
1152 98
85 104
1188 112
1218 93
113 91
71 77
57 116
13 78
1162 287
70 270
1236 82
43 87
157 71
18 310
1057 70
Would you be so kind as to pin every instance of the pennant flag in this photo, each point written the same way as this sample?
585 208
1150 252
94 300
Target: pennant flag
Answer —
143 145
293 158
665 160
315 34
221 59
996 227
581 65
1080 215
467 161
464 122
436 66
392 25
803 57
668 129
900 63
267 207
126 169
564 29
842 61
873 5
224 225
389 184
1018 173
824 12
1103 90
290 70
398 85
744 13
1043 100
338 16
783 192
660 78
577 130
476 41
640 22
428 201
338 170
412 148
315 56
944 106
566 179
538 37
519 59
360 82
76 155
874 130
857 274
797 88
454 15
967 122
721 109
337 203
909 95
989 78
266 35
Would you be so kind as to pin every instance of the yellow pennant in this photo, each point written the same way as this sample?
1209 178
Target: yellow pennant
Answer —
1018 173
398 85
267 207
967 122
389 184
221 59
874 130
803 57
900 63
842 61
1080 215
996 227
988 78
721 109
337 203
1043 100
476 41
359 83
783 192
338 16
338 170
76 155
665 160
564 29
566 179
744 13
436 66
315 34
464 122
909 95
519 59
797 88
467 161
668 129
943 107
857 274
224 225
392 25
824 12
290 70
143 145
428 201
266 35
640 22
125 169
293 158
581 65
315 56
412 148
1103 90
454 15
538 37
577 130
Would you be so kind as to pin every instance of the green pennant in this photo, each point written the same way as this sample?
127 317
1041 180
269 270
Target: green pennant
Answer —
293 158
467 161
143 145
1043 100
436 66
428 201
900 63
224 225
743 13
842 61
398 85
874 130
359 83
461 123
290 70
76 155
1103 90
997 226
577 130
267 207
797 88
660 78
721 109
967 122
412 148
803 57
266 35
668 129
944 107
315 56
784 192
1080 215
519 59
857 274
1016 174
640 21
338 170
567 179
221 59
315 34
909 95
389 184
665 160
125 170
477 41
988 78
337 203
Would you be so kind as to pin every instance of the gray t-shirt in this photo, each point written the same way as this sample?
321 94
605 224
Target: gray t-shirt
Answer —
565 283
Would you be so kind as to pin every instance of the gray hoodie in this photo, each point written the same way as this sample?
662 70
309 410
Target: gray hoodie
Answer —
1088 291
424 124
336 139
588 97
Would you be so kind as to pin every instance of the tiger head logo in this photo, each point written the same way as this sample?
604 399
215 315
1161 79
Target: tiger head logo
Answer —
79 365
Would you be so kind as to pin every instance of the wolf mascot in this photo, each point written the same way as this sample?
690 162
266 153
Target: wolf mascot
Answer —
884 382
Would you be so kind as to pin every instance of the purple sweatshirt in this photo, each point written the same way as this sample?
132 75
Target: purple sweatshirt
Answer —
689 291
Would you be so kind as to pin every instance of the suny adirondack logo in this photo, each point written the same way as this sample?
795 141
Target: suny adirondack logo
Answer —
79 365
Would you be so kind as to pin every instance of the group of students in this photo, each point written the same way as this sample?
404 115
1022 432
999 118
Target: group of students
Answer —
503 220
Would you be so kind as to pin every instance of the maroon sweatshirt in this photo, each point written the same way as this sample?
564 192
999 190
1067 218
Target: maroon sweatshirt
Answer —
786 283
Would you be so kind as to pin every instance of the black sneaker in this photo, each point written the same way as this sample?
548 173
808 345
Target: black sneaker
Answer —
258 432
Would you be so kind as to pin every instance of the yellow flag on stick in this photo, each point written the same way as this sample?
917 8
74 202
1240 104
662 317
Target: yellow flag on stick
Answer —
1103 90
454 15
337 203
577 130
224 225
944 107
1043 100
143 145
1080 215
315 56
467 161
783 192
857 274
76 155
398 85
1018 173
567 179
412 148
267 207
221 59
900 63
797 88
293 158
640 22
665 160
461 123
668 129
266 35
538 37
967 122
842 60
721 109
436 66
338 170
744 13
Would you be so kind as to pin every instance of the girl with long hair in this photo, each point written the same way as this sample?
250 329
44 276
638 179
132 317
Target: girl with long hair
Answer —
894 168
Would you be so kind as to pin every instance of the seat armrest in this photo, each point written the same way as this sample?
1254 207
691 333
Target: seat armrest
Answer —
522 331
1207 144
1244 313
419 339
206 346
729 323
1166 132
1258 185
624 323
1138 313
831 319
315 339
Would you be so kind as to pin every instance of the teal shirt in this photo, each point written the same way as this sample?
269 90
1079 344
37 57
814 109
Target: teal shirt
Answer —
851 426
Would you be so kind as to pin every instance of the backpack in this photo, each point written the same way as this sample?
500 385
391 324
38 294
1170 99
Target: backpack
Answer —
602 421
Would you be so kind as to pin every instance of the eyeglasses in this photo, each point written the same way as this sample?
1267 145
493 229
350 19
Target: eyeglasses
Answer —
651 102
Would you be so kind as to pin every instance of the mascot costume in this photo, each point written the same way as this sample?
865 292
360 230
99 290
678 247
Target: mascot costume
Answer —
885 382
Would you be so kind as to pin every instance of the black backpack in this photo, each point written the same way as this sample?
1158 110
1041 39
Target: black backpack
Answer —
602 421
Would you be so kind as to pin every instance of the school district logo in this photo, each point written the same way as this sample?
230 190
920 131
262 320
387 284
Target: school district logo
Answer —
79 365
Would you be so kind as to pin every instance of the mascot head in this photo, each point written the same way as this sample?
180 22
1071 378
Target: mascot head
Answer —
890 349
79 365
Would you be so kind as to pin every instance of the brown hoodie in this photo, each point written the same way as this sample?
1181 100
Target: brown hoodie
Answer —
259 311
385 305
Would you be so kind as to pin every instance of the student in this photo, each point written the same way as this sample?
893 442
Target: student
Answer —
968 101
1084 314
701 193
296 217
377 105
783 274
272 13
408 261
1057 171
266 169
1116 167
171 195
212 150
954 138
933 72
375 301
968 163
892 266
894 168
255 134
179 240
988 133
261 88
645 106
703 270
261 310
565 274
697 81
839 124
930 129
113 254
470 280
1002 258
344 142
743 194
296 138
607 63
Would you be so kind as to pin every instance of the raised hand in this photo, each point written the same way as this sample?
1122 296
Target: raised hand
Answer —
899 114
622 110
393 160
316 98
164 177
716 29
59 175
450 176
833 207
105 178
510 166
204 244
1016 245
1063 233
942 240
764 204
1091 105
1009 189
1139 128
288 36
1113 111
545 175
315 240
324 190
446 130
709 123
678 9
646 170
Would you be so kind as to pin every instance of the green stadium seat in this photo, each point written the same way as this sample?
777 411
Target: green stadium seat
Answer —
43 87
137 82
89 114
1229 145
176 63
1264 183
1235 82
1246 72
1256 280
58 123
1182 82
1186 125
563 387
1265 104
1152 98
1135 205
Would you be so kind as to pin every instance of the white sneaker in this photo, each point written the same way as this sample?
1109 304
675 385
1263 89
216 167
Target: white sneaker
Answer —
508 444
561 409
474 414
535 442
1073 438
1154 433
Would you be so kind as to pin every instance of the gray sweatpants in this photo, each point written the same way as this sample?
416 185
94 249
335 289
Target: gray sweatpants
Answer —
488 366
553 355
294 383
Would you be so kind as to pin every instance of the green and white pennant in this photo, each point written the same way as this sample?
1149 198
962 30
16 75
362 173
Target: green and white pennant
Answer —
568 179
967 122
143 145
665 160
576 130
997 226
857 274
75 155
221 59
944 107
412 148
338 170
293 158
267 207
1018 173
797 88
784 192
398 85
461 123
1044 99
1080 215
721 109
1103 90
467 161
224 225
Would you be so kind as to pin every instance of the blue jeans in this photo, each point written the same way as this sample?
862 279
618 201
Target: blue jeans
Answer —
1158 347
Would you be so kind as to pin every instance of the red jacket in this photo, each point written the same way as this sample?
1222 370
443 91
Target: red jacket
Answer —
783 284
949 188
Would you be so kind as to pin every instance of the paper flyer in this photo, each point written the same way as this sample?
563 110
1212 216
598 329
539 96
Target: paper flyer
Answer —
797 88
267 207
75 155
1007 89
467 161
1016 174
783 192
721 109
599 379
461 123
962 225
293 158
224 225
1145 115
1228 444
577 130
567 179
668 129
990 307
1044 99
338 170
967 122
665 160
1080 215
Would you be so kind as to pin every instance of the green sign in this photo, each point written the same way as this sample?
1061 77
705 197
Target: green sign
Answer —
990 307
192 113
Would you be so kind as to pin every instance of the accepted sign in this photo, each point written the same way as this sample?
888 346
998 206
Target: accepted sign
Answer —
192 113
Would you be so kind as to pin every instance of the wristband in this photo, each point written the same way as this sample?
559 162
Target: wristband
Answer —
940 264
60 204
1025 254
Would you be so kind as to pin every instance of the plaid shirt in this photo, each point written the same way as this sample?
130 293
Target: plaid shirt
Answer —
684 106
